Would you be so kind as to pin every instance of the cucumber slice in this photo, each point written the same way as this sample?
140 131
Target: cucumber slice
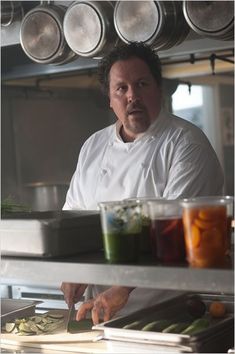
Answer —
10 327
57 316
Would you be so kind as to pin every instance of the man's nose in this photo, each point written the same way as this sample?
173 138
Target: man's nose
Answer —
132 94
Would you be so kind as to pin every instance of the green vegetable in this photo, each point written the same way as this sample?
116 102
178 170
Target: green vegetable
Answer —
40 324
195 306
176 327
156 326
10 327
8 205
133 325
197 326
82 325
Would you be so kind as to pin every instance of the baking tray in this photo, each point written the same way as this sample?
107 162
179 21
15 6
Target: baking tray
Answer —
14 308
50 233
217 338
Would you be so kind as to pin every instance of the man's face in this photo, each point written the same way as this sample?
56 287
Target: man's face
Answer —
135 96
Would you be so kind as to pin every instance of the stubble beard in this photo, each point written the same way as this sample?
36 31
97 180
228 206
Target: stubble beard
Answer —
137 125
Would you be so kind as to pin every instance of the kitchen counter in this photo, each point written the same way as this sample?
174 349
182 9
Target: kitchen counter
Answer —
102 347
92 268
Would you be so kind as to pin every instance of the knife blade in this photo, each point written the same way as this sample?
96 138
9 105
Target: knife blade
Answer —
71 316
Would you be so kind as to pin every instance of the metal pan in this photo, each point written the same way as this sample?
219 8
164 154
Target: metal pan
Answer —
12 308
158 23
42 37
213 339
88 28
213 19
50 234
11 11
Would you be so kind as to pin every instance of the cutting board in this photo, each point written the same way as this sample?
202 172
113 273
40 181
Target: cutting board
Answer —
60 336
76 347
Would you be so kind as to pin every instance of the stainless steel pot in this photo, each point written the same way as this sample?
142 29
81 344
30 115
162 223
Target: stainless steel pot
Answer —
11 11
42 37
46 196
211 18
158 23
88 28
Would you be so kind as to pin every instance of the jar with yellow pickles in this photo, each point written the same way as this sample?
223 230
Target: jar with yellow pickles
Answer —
207 232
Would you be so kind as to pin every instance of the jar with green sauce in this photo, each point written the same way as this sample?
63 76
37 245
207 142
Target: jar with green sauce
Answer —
122 227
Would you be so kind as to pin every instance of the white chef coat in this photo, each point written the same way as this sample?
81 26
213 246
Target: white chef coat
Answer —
173 159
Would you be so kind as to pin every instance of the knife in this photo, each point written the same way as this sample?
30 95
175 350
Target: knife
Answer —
70 316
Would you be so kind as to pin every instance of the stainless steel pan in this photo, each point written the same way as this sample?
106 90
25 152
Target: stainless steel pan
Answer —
158 23
89 28
11 11
42 37
213 19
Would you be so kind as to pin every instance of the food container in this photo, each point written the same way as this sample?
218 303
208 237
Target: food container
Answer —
50 234
167 234
145 241
11 309
121 225
207 228
216 338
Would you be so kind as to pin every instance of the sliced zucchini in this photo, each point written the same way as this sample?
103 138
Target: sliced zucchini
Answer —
10 327
57 316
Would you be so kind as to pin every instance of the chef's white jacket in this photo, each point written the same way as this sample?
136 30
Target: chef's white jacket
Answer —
173 159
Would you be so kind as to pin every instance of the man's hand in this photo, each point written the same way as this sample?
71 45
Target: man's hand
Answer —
72 292
105 305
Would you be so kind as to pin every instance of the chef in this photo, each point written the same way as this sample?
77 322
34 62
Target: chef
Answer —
148 152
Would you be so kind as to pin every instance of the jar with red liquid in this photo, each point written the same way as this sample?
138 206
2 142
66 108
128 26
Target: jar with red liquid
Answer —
167 233
145 241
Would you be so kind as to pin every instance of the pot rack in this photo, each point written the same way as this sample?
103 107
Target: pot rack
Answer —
192 59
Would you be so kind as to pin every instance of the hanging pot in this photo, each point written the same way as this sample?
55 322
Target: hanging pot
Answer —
158 23
213 19
89 29
11 11
42 37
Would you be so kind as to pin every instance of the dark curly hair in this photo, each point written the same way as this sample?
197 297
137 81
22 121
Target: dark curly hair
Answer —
126 51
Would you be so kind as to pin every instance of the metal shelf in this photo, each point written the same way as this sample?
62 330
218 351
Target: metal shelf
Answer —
93 270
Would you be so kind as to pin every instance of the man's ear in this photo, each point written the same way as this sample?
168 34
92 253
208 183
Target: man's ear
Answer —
110 103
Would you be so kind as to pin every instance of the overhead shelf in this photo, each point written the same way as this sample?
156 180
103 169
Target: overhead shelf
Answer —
92 269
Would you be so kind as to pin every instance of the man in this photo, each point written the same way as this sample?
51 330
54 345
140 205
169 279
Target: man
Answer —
147 153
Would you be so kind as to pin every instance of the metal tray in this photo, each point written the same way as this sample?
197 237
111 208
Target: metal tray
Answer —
217 338
11 309
50 234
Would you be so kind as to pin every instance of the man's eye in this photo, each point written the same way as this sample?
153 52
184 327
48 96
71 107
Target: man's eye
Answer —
142 83
121 88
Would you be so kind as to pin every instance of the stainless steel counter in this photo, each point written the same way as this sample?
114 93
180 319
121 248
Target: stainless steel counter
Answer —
92 269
